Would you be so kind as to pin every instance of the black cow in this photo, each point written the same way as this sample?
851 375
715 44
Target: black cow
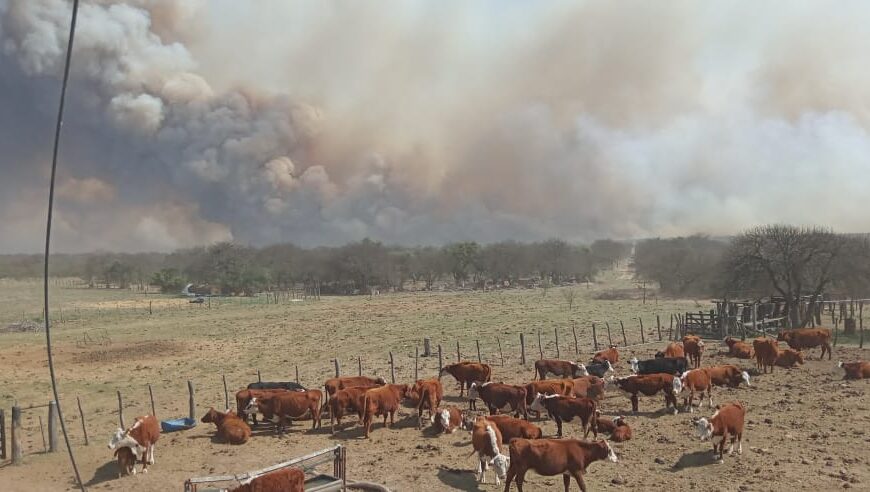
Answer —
271 385
597 368
667 365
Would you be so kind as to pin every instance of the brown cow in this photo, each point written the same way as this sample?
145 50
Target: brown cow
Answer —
589 387
650 384
611 354
426 393
565 408
561 368
345 402
736 348
807 338
230 427
766 351
512 428
855 370
332 385
604 424
448 419
696 380
728 420
282 408
674 349
622 432
500 396
140 438
550 457
547 387
487 442
788 358
466 373
383 400
243 398
283 480
693 346
727 375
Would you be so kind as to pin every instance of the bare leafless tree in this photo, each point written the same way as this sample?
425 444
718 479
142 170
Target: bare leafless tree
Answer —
569 294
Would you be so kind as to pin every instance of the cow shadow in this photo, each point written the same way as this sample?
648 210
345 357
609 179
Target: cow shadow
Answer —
459 479
695 459
107 471
455 399
214 438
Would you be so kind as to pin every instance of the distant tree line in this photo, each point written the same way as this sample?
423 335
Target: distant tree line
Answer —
357 267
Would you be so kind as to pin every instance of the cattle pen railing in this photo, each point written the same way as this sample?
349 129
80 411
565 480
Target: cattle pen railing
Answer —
315 482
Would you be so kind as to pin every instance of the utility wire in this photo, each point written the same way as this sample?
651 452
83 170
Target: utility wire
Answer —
69 47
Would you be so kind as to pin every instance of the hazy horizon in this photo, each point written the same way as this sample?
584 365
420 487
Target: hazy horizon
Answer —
322 123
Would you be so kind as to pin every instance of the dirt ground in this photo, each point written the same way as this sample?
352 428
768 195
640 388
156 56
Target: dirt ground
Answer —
807 429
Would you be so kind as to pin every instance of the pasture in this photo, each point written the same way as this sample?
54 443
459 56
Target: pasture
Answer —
806 429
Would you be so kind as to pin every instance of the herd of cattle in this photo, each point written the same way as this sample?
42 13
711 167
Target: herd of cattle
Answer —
513 445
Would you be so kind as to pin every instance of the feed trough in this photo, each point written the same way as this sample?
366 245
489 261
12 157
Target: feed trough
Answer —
179 424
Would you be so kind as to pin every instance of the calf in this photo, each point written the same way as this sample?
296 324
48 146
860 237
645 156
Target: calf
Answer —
547 387
726 421
466 373
550 457
599 369
766 351
427 393
696 380
140 438
282 408
487 442
807 338
622 432
346 402
500 396
727 375
738 349
694 347
384 400
283 480
674 349
565 408
448 419
266 385
788 358
666 365
589 387
604 424
230 427
650 384
610 355
126 461
512 428
855 370
243 399
561 368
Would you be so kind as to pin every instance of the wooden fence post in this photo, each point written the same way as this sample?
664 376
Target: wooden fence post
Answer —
416 363
642 336
479 359
42 433
427 347
500 353
259 379
297 373
151 396
337 367
671 329
540 345
226 393
392 369
624 339
556 335
574 332
192 403
2 434
16 435
52 426
659 326
440 361
121 411
458 353
609 339
359 365
861 324
82 415
522 349
836 331
594 337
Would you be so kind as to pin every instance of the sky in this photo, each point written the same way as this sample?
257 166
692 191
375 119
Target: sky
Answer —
418 122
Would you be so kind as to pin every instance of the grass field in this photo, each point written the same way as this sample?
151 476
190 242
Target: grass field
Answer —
108 341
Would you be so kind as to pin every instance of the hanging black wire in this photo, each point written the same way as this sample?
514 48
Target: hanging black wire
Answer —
69 47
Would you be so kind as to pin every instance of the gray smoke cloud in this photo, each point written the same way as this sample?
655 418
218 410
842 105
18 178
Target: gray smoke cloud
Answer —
191 122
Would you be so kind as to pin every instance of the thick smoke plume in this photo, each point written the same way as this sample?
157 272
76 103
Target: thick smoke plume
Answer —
418 122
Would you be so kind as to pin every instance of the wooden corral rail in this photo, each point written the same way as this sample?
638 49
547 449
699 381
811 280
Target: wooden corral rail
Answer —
337 454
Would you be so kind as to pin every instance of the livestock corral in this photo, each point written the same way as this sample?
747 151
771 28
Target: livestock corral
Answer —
805 427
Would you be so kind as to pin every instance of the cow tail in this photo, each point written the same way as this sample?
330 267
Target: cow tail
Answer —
488 373
365 410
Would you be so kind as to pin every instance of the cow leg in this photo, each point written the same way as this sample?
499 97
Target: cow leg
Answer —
740 443
579 478
634 402
151 454
558 426
392 418
710 396
481 470
566 480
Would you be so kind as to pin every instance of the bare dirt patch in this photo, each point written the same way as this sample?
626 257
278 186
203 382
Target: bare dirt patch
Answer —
127 352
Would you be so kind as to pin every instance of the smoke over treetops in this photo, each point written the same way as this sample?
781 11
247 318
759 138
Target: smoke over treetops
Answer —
418 122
